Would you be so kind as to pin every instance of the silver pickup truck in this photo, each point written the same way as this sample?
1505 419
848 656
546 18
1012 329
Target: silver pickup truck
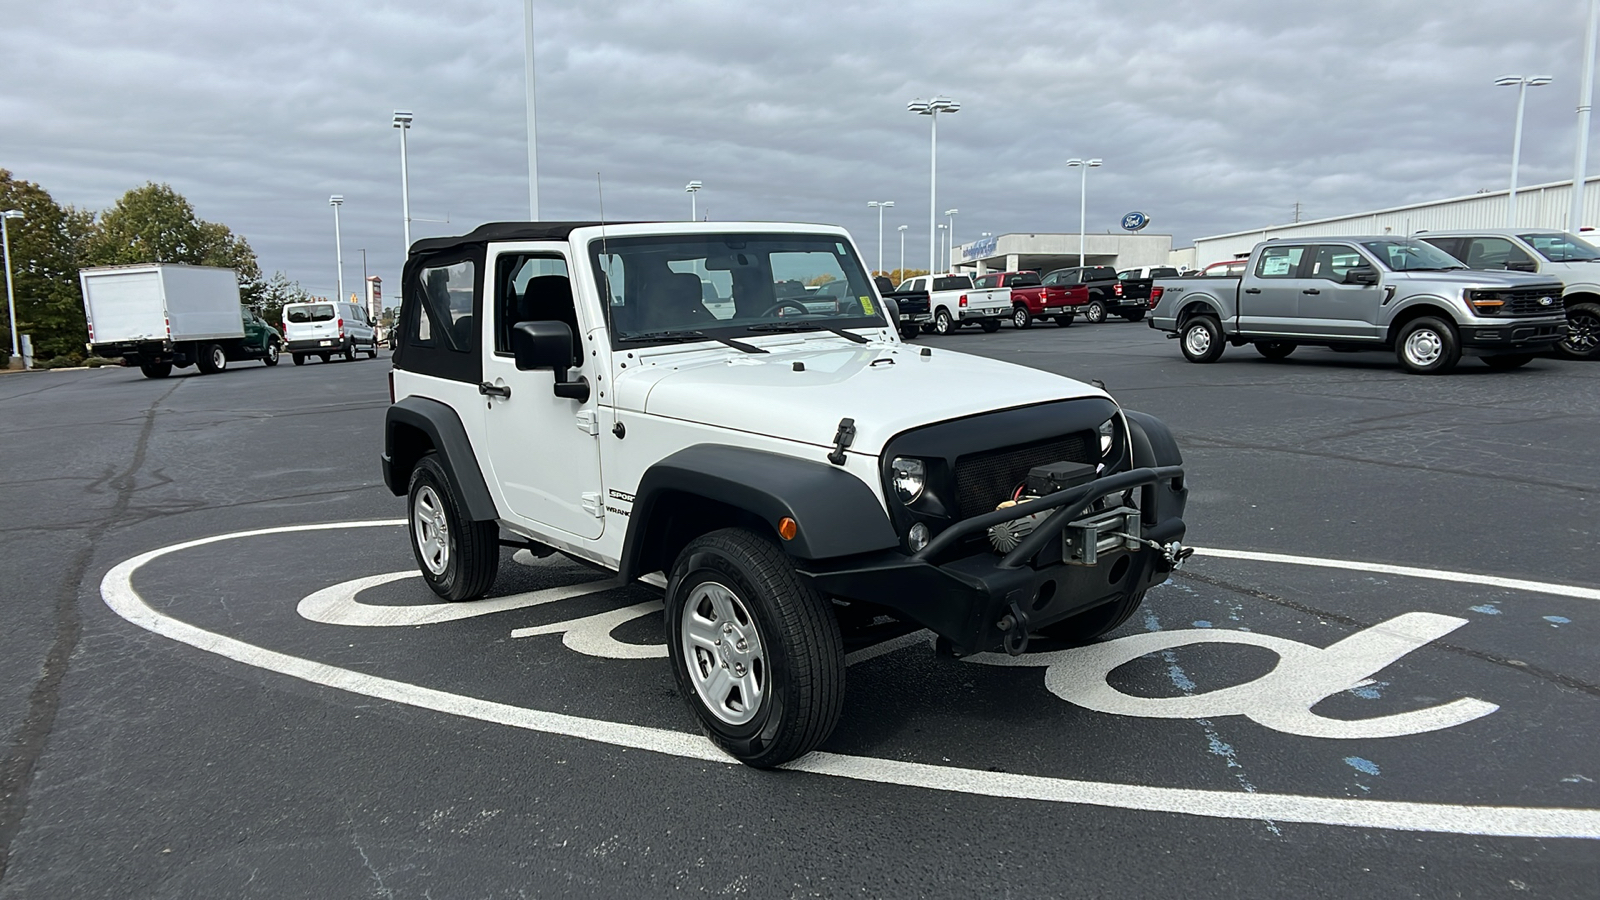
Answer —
1363 293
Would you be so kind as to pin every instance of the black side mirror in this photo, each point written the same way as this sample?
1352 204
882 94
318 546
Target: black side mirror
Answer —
548 345
1361 275
1522 266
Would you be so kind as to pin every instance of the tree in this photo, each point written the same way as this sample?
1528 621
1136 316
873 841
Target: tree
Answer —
156 224
277 292
44 267
899 275
820 280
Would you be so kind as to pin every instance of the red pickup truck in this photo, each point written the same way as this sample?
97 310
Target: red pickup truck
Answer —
1032 300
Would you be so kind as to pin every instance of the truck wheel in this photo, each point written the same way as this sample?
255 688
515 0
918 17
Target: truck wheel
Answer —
1095 312
273 352
372 352
1583 332
324 356
910 332
350 352
1508 362
1098 622
458 557
990 326
755 650
1135 316
213 359
1021 318
1201 339
1274 349
1428 346
299 359
1065 321
942 323
156 369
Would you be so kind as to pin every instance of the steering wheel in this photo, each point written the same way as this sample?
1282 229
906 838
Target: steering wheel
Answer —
792 304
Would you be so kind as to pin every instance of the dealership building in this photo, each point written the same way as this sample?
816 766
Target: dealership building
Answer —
1044 252
1539 206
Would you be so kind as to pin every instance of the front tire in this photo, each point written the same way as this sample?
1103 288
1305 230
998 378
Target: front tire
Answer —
1583 332
1201 339
910 332
1274 349
1094 624
1428 346
1135 316
372 352
213 359
942 323
1021 318
156 369
755 650
458 557
1065 321
273 352
299 359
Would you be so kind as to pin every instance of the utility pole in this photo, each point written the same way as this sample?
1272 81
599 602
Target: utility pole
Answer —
1297 212
1585 101
533 145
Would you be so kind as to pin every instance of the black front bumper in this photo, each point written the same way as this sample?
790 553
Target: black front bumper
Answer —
1488 337
968 598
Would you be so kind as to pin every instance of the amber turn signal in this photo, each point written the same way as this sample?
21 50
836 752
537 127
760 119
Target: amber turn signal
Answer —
787 528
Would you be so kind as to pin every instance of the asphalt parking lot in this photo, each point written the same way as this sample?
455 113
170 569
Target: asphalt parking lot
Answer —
1377 678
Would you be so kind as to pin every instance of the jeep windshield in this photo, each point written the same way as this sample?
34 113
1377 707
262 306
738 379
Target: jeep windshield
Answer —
1411 256
709 287
1558 247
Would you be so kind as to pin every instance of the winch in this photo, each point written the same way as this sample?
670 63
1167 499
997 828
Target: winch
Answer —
1107 529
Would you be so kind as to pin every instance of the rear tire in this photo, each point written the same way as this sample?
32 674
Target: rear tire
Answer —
1135 316
942 323
910 332
1508 362
1095 312
299 359
1021 318
990 326
1583 332
1428 346
779 642
1201 339
350 352
213 359
324 356
1274 349
156 369
458 557
1096 623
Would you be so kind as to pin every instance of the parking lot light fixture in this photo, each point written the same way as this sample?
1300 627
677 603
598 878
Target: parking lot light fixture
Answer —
402 121
880 205
931 109
693 188
903 252
336 201
1083 201
1521 84
11 296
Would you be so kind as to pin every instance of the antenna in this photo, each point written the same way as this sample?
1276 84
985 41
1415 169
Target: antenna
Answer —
605 268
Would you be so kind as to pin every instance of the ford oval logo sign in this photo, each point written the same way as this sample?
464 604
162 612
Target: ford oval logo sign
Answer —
1547 301
1134 221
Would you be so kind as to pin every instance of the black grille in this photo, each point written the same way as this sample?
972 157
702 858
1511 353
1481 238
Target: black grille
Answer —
985 479
1527 301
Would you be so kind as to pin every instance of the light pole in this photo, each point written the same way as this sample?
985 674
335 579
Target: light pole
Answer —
11 295
939 262
931 109
1585 101
1083 201
1522 85
880 205
336 201
533 146
951 237
692 188
366 296
402 121
903 252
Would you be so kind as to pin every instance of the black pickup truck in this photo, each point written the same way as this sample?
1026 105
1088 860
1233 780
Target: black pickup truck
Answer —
1108 295
916 310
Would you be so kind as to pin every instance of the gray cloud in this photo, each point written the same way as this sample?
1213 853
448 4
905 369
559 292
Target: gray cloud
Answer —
1210 116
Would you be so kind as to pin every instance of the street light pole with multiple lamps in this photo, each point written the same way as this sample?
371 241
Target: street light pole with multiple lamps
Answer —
1522 84
931 109
336 201
1083 201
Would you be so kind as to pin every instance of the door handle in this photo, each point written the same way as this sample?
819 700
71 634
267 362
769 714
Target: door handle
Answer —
1310 291
495 390
1252 290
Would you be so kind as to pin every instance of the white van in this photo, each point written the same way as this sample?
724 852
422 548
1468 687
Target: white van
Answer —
327 327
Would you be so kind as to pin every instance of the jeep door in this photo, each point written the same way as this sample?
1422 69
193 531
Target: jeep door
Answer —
543 449
1269 296
1331 307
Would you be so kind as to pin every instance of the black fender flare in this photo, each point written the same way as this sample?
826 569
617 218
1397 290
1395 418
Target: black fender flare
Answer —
444 431
836 513
1154 446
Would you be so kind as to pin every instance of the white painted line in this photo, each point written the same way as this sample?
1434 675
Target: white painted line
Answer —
337 605
1516 584
923 636
1504 821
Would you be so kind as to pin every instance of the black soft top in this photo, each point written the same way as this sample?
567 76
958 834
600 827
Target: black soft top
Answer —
505 231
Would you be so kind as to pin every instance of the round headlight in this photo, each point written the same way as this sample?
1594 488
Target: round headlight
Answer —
1107 432
910 476
917 538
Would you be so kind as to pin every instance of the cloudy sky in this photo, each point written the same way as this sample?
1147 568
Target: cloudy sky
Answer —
1210 116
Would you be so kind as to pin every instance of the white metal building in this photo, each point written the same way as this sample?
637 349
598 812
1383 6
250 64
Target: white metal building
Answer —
1538 206
1044 252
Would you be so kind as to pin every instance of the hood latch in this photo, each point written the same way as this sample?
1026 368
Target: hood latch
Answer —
842 440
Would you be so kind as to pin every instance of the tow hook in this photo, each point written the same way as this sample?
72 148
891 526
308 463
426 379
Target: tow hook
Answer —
1015 625
1174 552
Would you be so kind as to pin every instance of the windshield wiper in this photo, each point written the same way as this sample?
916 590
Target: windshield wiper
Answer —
807 326
666 337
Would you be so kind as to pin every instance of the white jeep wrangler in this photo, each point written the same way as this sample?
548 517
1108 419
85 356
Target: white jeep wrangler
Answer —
641 398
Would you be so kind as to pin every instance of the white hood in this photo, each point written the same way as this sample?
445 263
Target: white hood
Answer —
886 388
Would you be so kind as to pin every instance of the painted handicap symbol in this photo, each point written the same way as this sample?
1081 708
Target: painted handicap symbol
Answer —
1282 699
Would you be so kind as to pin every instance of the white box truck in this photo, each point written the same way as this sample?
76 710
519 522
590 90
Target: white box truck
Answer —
165 315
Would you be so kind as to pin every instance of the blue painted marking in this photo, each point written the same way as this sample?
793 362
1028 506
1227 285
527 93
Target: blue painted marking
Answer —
1487 609
1373 691
1361 765
1557 621
1201 623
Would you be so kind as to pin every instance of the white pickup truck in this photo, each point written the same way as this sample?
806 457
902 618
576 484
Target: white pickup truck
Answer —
954 302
